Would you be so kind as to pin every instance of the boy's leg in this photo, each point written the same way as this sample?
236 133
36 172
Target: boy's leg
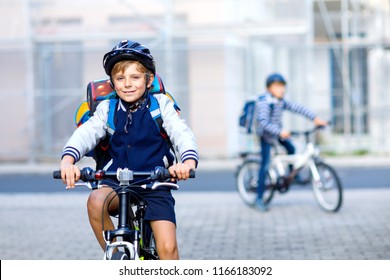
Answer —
290 148
288 145
265 160
165 235
95 207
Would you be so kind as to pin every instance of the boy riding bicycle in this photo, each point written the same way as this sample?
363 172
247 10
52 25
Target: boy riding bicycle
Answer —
136 144
270 129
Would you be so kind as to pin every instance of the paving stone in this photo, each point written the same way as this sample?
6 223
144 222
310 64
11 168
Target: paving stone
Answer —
211 225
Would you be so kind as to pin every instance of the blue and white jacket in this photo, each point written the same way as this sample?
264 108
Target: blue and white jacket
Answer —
142 147
269 115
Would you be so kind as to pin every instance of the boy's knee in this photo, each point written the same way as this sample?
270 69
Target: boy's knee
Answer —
95 202
168 249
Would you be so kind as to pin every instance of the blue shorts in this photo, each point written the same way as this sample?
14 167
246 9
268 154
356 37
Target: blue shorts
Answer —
160 204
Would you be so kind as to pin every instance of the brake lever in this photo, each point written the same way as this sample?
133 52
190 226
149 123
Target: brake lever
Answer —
172 185
89 185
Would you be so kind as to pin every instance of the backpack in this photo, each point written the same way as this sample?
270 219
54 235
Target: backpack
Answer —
99 90
248 116
247 119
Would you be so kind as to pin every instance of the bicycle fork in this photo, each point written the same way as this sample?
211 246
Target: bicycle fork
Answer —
130 238
315 175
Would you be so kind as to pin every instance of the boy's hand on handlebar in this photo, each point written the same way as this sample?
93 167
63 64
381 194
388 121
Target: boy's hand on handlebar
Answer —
181 171
70 173
319 122
285 134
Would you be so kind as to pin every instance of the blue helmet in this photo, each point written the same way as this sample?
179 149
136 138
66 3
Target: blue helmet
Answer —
128 50
275 77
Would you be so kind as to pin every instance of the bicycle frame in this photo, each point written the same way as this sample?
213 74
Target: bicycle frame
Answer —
323 178
305 159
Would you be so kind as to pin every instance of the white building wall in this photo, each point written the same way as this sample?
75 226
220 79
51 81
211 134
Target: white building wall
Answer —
226 50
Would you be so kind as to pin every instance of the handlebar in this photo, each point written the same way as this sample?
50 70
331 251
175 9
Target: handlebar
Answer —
87 174
306 132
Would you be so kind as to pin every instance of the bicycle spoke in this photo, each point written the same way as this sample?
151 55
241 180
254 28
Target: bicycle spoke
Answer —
247 180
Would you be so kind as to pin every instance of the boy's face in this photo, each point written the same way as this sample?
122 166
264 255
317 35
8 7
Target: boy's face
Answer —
277 89
130 85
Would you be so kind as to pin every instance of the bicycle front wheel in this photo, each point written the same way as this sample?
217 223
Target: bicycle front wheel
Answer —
148 246
150 252
247 181
328 190
119 256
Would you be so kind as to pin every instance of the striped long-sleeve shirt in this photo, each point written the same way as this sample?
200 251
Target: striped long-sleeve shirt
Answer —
269 115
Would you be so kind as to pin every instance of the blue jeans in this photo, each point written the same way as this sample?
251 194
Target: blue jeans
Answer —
266 159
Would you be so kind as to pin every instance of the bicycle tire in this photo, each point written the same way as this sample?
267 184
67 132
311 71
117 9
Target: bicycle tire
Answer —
328 191
152 248
247 178
119 255
148 247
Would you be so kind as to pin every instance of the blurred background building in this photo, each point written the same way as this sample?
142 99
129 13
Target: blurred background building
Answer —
212 55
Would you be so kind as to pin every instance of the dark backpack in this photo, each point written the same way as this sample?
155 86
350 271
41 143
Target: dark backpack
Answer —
248 116
100 90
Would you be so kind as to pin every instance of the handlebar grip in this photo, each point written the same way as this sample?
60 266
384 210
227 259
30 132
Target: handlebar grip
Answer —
86 174
57 174
161 173
168 175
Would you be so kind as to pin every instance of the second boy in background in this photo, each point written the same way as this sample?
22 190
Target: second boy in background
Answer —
270 127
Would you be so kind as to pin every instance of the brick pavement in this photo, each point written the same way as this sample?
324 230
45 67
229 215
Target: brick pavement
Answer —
211 225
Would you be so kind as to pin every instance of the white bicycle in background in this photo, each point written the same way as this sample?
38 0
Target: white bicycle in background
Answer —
307 168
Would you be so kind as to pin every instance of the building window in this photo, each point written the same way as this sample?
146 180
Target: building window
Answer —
350 112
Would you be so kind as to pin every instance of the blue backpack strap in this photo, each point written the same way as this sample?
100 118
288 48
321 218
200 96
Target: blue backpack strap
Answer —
155 112
111 116
154 109
264 97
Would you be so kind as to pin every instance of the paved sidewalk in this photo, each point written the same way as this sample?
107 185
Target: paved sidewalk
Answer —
212 225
